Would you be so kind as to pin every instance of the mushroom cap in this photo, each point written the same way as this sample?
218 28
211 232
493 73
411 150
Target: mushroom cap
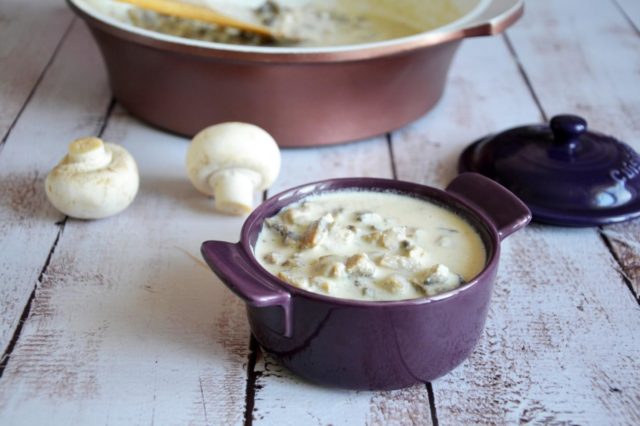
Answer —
230 146
82 191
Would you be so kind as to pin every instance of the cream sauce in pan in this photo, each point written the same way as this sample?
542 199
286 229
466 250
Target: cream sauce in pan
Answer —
310 23
369 245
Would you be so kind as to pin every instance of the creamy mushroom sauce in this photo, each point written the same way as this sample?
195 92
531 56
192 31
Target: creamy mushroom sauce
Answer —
309 23
370 245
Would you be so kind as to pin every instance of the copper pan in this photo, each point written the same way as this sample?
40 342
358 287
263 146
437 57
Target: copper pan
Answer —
302 96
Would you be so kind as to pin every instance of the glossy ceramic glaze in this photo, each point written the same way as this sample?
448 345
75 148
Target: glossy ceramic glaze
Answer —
566 174
371 345
303 97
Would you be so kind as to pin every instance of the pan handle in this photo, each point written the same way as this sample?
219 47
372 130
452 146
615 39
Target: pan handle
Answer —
494 19
503 209
232 265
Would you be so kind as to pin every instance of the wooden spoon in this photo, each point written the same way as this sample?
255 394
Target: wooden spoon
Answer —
205 14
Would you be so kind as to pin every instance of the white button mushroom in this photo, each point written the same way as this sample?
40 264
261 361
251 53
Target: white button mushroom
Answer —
231 161
94 180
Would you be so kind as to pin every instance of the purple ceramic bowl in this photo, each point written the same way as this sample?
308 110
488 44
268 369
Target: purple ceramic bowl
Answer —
370 345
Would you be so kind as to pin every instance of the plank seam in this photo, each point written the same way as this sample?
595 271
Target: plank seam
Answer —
204 404
107 115
252 376
432 404
620 270
54 54
626 16
394 171
525 77
27 309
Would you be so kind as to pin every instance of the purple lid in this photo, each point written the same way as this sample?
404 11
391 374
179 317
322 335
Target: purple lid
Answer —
565 174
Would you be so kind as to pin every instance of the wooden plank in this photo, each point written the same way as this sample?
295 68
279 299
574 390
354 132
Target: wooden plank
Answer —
625 241
128 325
282 398
487 99
571 65
625 238
70 102
30 32
559 343
369 158
558 291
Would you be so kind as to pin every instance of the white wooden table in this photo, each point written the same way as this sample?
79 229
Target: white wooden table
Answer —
117 322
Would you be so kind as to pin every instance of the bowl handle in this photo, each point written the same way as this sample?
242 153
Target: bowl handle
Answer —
503 209
497 17
231 264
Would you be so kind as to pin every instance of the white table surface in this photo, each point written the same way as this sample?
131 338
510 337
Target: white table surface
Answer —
117 321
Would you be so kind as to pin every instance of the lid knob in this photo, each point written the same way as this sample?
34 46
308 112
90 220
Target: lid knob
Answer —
566 129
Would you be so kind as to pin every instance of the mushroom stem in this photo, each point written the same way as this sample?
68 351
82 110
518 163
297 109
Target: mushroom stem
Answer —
233 190
89 152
